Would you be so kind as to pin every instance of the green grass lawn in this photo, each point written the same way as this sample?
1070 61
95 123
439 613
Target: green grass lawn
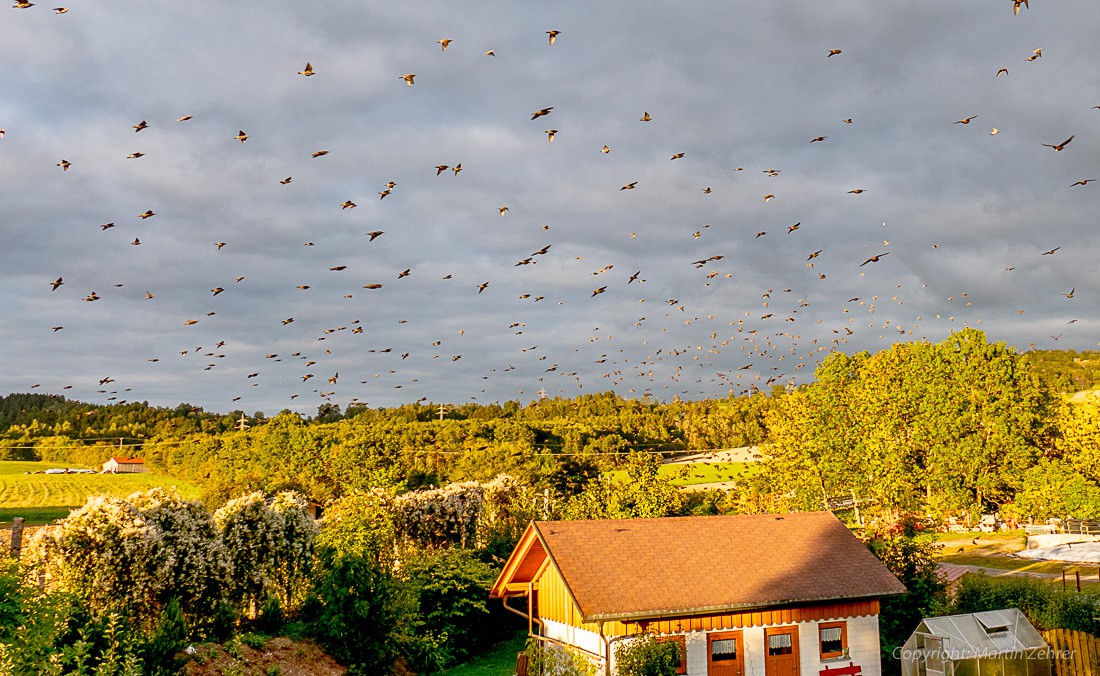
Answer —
500 661
700 472
42 498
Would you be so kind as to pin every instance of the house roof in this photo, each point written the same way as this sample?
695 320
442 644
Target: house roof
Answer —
645 568
981 634
128 461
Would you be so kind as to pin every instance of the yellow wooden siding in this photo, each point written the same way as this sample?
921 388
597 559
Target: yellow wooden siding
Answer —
555 603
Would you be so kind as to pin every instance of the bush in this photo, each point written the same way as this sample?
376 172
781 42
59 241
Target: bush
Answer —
645 656
169 638
451 592
1046 606
356 613
556 660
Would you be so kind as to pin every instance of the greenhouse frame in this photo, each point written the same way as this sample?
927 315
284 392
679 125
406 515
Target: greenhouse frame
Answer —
991 643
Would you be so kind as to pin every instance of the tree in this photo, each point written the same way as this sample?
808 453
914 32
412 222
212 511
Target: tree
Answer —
644 493
646 656
913 562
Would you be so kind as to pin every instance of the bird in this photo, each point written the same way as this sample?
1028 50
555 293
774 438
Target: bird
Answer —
857 191
456 168
148 214
440 168
64 164
318 153
633 277
994 131
134 156
502 210
216 290
56 328
490 53
966 120
873 259
56 283
1037 54
148 296
338 268
375 234
106 226
1070 294
241 136
677 156
307 71
481 287
1000 71
629 186
22 4
191 322
645 117
550 134
815 254
599 291
540 112
140 125
1084 181
769 197
444 43
1051 252
833 52
794 227
286 180
408 78
348 205
1016 6
184 118
1060 146
219 245
817 139
553 35
605 150
404 273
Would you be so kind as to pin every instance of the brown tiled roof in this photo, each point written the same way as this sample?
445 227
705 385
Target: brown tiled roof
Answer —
635 568
124 461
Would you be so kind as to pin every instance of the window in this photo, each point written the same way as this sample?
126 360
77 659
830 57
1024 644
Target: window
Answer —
683 650
780 644
833 638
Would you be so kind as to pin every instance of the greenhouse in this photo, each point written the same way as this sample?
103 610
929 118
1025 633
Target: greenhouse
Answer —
992 643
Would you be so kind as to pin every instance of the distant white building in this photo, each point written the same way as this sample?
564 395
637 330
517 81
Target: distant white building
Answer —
124 466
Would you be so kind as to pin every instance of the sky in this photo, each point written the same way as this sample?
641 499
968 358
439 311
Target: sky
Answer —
649 245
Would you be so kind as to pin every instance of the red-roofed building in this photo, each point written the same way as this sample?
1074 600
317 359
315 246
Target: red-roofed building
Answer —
752 595
124 466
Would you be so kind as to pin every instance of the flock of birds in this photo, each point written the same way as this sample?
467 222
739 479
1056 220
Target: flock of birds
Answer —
704 352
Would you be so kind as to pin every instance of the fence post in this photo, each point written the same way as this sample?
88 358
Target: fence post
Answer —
16 536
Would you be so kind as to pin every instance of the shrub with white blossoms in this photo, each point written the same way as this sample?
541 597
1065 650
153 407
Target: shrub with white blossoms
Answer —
435 517
269 547
133 555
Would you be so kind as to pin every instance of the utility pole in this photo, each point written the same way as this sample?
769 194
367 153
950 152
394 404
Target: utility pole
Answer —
541 393
442 410
242 425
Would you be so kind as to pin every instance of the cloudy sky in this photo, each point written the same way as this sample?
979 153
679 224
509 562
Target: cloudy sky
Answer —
691 283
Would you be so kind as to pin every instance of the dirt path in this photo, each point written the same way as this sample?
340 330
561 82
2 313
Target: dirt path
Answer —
954 571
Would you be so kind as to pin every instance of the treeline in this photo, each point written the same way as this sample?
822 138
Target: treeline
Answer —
961 426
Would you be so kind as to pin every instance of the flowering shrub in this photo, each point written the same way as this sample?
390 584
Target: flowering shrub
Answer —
269 548
440 516
360 525
133 555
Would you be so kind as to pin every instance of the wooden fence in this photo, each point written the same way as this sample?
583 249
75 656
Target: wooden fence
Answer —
1075 652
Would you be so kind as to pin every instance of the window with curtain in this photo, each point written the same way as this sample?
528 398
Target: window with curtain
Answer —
780 644
833 639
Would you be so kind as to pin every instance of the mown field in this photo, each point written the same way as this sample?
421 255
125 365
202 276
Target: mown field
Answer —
700 472
42 498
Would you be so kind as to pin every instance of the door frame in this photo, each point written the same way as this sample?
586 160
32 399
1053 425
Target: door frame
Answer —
723 635
786 629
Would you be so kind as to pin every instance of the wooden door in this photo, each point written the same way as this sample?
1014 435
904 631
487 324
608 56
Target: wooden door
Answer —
781 651
725 654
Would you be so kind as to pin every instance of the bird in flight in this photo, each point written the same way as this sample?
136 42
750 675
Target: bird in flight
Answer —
1060 146
408 78
1051 252
241 136
645 117
550 134
873 259
1084 181
1001 70
833 52
629 186
540 112
1016 6
139 126
307 71
375 234
318 153
553 35
64 164
444 43
966 120
56 283
1070 294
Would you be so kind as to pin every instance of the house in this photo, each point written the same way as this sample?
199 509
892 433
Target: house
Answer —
1000 642
124 466
753 595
